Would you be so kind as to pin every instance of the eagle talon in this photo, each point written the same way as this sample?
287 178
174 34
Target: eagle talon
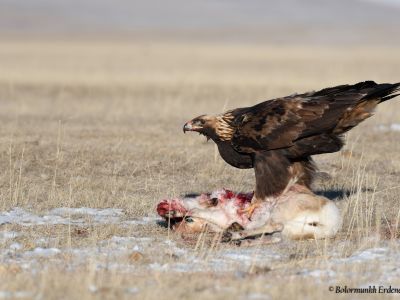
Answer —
250 210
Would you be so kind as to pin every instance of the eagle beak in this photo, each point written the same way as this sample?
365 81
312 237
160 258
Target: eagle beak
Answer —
187 127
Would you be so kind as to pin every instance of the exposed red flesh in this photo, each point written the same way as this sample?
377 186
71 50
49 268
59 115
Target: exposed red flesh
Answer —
166 206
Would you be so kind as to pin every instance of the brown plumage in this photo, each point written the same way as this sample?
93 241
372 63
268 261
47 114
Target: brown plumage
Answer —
278 137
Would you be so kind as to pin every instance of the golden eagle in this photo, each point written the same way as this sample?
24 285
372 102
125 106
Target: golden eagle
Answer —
278 137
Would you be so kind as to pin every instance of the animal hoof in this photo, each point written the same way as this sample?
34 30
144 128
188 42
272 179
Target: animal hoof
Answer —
234 227
226 237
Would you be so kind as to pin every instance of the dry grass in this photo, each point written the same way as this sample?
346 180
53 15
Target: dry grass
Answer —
98 124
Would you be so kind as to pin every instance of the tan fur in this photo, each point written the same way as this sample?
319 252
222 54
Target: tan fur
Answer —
299 171
301 212
299 216
303 202
194 227
308 236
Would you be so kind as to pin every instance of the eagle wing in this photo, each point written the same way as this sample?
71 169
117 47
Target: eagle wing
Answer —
234 158
270 125
280 123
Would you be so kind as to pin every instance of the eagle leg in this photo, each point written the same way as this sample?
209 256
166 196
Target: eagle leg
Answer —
272 174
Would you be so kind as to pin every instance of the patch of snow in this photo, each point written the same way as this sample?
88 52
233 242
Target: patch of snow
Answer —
158 267
256 296
219 261
181 267
173 248
44 241
189 265
71 216
391 127
22 217
66 211
43 252
6 235
14 295
381 127
249 254
395 127
18 216
143 221
120 267
15 246
318 273
106 215
132 290
368 254
124 240
123 244
92 288
363 256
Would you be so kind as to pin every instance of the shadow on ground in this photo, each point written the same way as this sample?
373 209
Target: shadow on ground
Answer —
339 194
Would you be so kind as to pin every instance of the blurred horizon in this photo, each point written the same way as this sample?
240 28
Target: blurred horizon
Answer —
351 22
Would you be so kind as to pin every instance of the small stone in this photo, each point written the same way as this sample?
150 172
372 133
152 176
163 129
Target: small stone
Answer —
83 232
136 256
258 270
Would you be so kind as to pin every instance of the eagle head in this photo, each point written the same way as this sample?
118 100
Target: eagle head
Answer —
217 128
203 124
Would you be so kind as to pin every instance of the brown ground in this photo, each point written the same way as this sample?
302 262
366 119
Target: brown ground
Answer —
98 124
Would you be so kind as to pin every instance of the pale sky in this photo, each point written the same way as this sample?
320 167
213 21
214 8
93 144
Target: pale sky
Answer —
277 21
